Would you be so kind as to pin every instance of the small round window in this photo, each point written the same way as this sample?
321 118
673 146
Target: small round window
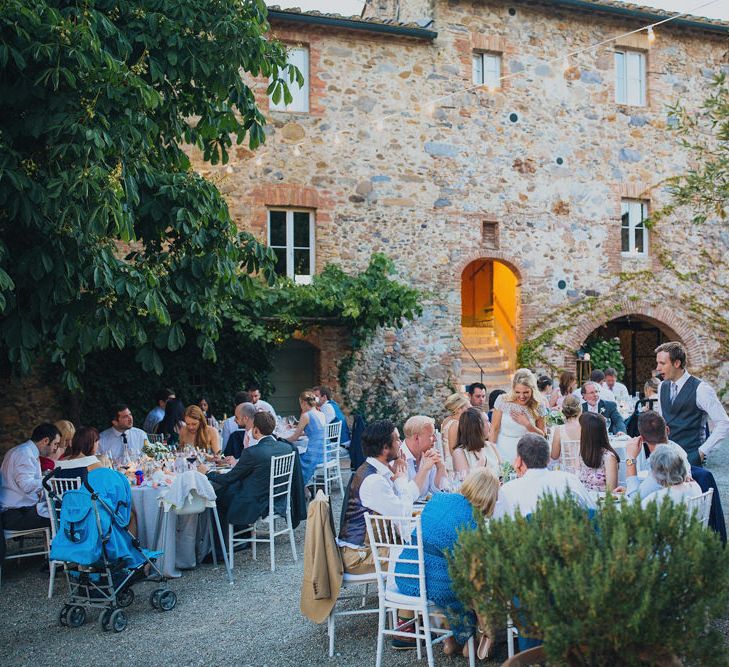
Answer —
562 284
513 117
512 11
559 161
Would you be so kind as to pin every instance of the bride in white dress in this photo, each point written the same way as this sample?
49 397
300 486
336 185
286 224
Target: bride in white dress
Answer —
516 413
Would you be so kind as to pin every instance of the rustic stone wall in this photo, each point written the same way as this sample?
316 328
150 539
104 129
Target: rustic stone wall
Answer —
546 158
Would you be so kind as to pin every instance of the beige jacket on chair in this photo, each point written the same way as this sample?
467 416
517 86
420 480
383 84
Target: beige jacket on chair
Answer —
323 567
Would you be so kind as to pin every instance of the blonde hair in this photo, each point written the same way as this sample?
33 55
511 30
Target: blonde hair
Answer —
416 424
307 396
202 438
456 402
571 407
528 379
481 489
67 431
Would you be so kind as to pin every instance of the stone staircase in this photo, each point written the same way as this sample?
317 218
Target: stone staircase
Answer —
487 349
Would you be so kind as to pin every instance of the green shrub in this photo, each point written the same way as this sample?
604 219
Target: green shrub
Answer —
630 587
606 354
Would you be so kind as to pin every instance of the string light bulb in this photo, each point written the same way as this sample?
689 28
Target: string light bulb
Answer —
651 35
297 151
259 160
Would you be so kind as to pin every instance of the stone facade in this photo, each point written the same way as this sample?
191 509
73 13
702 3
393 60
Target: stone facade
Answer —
401 155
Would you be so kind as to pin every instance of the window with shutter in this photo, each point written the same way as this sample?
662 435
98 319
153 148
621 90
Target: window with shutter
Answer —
630 78
291 237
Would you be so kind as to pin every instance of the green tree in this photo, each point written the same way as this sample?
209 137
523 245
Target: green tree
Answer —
108 239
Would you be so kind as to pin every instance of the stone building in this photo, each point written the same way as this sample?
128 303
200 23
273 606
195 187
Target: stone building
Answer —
516 205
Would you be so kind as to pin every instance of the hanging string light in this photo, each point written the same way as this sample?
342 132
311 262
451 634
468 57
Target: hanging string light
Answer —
651 35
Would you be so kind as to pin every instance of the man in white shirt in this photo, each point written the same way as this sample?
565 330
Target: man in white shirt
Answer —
122 438
255 391
534 480
325 406
230 425
598 378
620 391
418 446
688 404
21 488
593 402
380 486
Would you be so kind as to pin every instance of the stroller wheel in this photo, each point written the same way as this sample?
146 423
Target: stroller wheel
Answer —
104 619
154 597
125 598
118 620
76 616
167 600
63 616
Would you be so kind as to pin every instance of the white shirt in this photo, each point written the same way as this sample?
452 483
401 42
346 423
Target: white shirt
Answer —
21 483
264 406
620 391
430 486
679 493
521 494
229 426
328 411
384 496
112 444
604 395
708 402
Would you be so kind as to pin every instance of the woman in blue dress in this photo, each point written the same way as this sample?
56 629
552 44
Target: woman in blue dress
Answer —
312 424
442 518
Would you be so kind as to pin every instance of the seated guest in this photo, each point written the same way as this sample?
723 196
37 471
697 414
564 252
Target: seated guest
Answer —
535 480
255 397
492 402
331 410
172 422
473 449
66 429
230 425
375 487
653 432
598 377
122 438
157 413
243 437
598 460
545 385
197 432
567 385
81 456
418 445
21 490
312 424
620 391
592 402
204 405
243 491
455 404
668 469
443 517
566 439
651 400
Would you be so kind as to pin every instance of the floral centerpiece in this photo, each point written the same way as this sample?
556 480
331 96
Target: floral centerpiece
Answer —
507 471
554 417
155 450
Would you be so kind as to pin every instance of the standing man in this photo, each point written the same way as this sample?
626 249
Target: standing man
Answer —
122 436
477 395
418 446
687 404
608 409
21 489
255 391
331 410
620 391
156 415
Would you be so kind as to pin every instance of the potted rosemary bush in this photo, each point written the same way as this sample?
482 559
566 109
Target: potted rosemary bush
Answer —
629 586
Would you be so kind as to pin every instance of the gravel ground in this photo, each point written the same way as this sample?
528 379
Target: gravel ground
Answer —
255 621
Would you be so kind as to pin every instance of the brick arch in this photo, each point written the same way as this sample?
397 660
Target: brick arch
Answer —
667 318
518 270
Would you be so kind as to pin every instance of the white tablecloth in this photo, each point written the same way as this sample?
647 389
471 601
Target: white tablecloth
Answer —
186 540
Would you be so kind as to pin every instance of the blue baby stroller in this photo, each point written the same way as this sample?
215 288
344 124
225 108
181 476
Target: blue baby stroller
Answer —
102 560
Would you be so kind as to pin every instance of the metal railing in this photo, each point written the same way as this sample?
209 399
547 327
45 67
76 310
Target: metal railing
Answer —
480 368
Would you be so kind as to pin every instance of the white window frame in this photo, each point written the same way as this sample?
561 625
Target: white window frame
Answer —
630 78
637 212
487 68
299 56
301 279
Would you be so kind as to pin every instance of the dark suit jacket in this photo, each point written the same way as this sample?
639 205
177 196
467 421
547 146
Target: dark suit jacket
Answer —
609 410
243 492
234 446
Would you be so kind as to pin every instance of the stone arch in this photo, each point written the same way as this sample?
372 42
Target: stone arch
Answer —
665 317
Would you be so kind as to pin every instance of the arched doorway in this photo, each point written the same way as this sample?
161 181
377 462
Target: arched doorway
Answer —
639 336
294 367
489 315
